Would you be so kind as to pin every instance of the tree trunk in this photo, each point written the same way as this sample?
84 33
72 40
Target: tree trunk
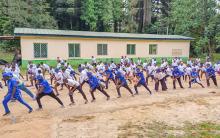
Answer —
115 26
147 13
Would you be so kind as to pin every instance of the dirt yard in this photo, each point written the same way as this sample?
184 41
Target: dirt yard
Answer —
176 113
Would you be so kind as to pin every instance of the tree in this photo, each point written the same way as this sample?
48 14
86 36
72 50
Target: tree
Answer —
20 13
117 14
88 14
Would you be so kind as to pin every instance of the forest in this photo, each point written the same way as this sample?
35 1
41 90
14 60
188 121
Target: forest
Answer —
199 19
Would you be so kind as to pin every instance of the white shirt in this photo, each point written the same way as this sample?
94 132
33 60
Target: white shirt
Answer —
59 65
66 75
83 76
7 69
113 65
139 62
37 70
72 83
46 67
188 70
59 77
16 73
93 60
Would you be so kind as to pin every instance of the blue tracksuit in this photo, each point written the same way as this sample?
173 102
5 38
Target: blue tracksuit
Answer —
12 83
142 78
93 82
47 88
142 82
194 75
176 73
210 72
122 79
109 73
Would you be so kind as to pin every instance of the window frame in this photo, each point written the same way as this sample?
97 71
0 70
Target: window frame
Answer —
40 50
129 49
74 50
151 49
104 51
178 51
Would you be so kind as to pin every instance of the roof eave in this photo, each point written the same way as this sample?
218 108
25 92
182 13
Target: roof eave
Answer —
80 36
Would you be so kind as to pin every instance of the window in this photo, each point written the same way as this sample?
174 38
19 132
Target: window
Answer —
152 49
176 52
131 49
102 49
74 50
40 50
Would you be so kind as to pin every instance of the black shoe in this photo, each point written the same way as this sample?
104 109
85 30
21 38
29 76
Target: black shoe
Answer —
30 111
71 104
8 113
108 98
86 101
93 100
40 108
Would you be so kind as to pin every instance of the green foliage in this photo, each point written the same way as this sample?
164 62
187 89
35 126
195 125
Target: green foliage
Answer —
194 18
88 14
21 13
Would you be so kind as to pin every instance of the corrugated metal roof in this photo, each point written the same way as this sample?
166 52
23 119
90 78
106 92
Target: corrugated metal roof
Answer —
87 34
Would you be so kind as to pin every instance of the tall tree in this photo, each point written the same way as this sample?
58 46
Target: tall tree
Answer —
67 13
104 13
117 14
88 14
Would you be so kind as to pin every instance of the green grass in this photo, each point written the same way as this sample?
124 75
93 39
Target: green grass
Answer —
216 57
7 56
160 129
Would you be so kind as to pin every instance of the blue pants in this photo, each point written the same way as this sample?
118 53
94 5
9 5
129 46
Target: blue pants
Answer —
19 98
25 89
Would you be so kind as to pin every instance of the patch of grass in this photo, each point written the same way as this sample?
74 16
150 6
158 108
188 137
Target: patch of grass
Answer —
7 56
216 57
160 129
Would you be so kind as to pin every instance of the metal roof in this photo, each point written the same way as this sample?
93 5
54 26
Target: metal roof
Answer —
87 34
8 38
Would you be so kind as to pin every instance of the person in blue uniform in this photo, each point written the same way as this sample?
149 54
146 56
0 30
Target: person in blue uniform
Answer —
195 78
45 89
13 93
141 81
210 74
109 76
121 82
177 77
94 84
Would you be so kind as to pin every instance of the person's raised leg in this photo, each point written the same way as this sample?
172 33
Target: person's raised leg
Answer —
83 94
104 92
56 98
92 94
39 96
7 98
145 86
21 100
180 83
129 90
214 80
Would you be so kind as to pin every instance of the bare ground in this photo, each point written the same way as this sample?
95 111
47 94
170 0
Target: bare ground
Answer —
164 114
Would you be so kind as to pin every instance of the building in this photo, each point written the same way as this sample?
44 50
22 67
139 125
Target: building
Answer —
47 44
